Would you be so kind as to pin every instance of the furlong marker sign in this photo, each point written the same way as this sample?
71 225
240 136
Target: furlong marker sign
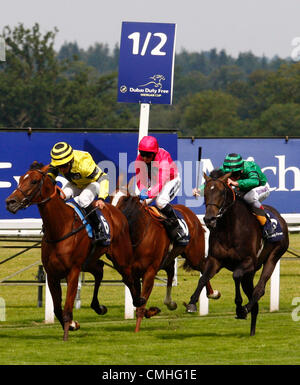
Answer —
146 65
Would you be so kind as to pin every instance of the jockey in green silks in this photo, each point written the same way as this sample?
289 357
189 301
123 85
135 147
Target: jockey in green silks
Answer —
248 178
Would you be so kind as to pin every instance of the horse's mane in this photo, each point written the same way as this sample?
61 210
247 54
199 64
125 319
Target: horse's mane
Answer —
216 173
132 210
36 166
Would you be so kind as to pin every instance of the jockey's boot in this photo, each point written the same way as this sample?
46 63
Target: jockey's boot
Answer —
175 231
264 220
99 233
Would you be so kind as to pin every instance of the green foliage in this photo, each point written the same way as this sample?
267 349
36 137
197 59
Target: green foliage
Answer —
39 90
214 93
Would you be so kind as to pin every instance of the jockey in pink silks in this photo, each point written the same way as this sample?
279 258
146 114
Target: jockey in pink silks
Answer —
158 180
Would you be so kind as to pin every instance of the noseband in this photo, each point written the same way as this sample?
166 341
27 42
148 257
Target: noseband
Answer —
223 208
27 200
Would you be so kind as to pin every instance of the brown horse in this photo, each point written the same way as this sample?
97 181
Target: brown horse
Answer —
236 243
66 247
153 249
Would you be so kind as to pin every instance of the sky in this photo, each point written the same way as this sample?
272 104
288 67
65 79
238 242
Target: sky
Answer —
264 27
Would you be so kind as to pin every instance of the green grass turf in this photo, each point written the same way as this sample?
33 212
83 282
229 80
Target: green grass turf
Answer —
171 338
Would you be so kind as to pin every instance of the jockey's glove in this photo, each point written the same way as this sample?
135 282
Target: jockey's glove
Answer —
143 195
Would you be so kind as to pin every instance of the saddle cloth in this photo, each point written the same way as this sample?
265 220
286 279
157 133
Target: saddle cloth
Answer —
88 226
278 233
156 213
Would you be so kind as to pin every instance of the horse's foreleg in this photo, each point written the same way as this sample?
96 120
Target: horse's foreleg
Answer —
97 270
259 289
211 268
247 285
132 281
72 281
240 313
148 282
170 270
55 290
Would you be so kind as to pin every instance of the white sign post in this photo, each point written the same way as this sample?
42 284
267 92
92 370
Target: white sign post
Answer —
275 288
49 309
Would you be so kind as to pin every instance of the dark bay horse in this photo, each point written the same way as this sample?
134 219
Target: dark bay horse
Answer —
66 246
236 243
153 249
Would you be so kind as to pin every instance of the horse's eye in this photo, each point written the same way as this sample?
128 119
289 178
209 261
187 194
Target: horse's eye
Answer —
34 181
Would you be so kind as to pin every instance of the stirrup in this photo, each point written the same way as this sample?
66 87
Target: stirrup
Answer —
180 238
99 237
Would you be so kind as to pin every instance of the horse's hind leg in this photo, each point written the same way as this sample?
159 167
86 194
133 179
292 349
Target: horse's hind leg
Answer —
267 271
170 270
97 270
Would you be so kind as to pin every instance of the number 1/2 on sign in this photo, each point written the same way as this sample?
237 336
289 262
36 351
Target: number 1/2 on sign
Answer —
156 51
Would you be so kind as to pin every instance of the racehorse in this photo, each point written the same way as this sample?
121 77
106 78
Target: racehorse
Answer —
66 247
236 243
153 249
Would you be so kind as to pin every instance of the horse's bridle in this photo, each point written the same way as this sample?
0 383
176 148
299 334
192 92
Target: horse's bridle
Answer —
223 208
27 200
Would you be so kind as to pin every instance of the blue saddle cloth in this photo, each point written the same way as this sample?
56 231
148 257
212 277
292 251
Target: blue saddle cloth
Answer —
278 233
88 227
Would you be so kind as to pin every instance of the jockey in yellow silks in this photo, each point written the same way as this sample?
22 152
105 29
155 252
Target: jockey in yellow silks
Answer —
86 181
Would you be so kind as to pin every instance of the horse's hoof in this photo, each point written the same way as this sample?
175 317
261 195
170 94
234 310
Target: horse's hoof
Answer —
171 306
241 313
74 325
99 309
152 311
190 307
103 310
215 295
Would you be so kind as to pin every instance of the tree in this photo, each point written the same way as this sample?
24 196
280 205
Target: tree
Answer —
211 113
279 120
28 78
39 90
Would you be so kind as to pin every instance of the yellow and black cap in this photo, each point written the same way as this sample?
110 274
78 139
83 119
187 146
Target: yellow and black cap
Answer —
61 153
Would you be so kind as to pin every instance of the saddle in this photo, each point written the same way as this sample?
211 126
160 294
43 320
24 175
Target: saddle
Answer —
167 222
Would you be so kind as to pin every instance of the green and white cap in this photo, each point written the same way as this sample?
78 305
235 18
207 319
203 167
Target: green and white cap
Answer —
233 163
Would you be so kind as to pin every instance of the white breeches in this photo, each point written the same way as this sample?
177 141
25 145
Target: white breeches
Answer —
168 193
83 197
255 196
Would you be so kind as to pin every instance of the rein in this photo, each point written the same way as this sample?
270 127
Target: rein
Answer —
27 201
223 208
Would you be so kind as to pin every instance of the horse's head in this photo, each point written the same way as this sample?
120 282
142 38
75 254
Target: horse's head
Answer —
216 197
122 190
29 190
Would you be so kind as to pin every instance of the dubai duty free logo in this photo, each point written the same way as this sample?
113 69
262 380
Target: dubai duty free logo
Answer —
153 87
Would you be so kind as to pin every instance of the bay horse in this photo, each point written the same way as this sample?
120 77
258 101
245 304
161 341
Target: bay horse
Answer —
236 243
66 247
154 251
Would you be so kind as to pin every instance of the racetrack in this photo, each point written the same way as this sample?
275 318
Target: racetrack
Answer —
171 338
